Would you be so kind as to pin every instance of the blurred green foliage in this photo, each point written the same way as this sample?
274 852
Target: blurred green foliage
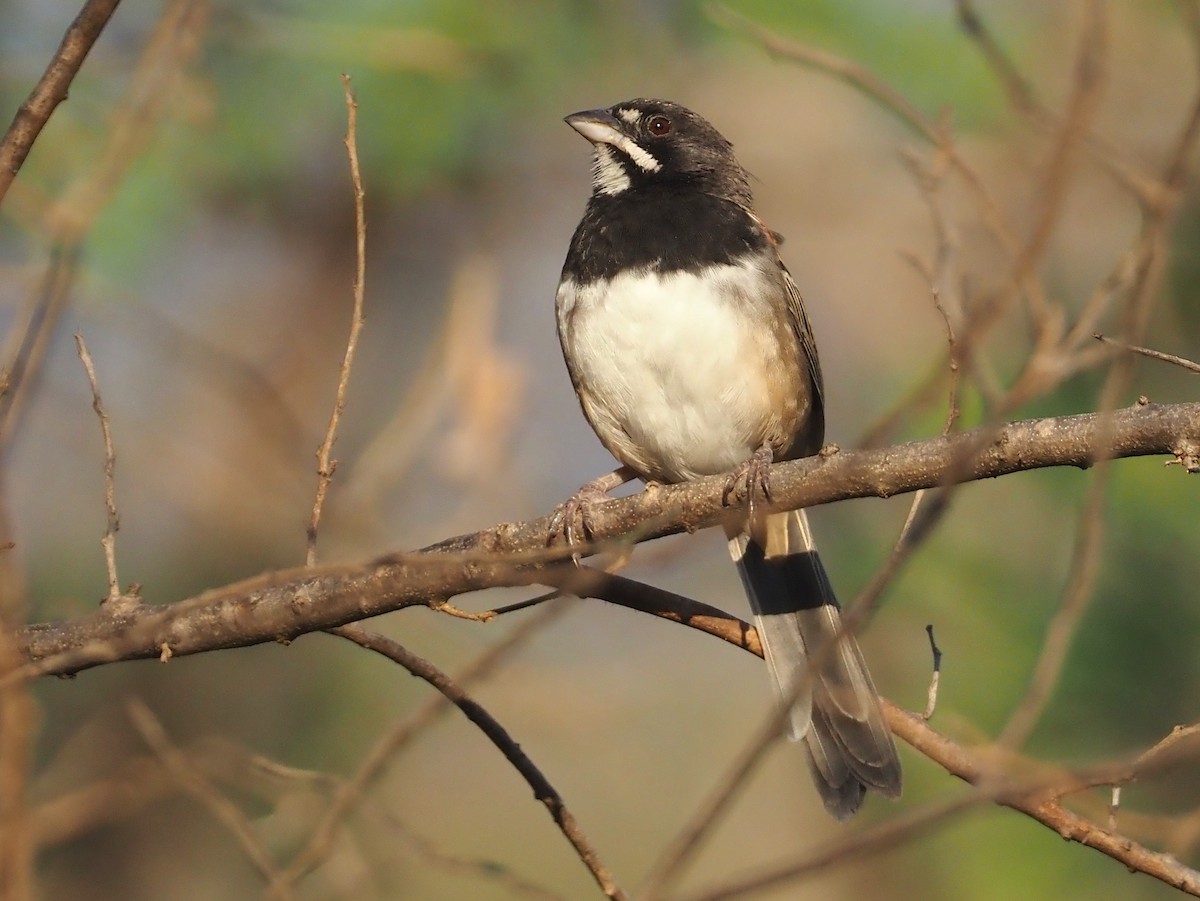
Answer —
916 47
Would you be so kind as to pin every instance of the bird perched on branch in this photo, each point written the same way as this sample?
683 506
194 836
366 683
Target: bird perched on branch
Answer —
691 353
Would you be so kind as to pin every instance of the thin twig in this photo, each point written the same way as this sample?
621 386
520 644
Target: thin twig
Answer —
325 464
863 843
1155 242
1174 360
926 511
499 736
931 695
535 601
872 86
1157 226
169 49
51 89
1023 99
491 871
942 276
29 338
1037 798
1054 180
196 784
1086 555
109 541
1176 169
919 523
1119 279
1043 804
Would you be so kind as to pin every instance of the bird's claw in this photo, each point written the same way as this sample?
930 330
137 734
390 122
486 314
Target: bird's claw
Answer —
571 520
752 476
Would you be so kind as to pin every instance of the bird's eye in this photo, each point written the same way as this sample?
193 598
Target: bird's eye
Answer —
659 126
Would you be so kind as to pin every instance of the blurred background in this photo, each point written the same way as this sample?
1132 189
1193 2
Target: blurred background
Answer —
199 162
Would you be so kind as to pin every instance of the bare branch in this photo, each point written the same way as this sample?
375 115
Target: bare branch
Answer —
1174 360
29 336
872 86
1055 178
51 89
1037 798
285 604
400 735
860 844
325 463
170 48
488 870
109 542
1023 99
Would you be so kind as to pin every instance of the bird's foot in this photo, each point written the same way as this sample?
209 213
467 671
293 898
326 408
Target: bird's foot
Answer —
752 476
571 520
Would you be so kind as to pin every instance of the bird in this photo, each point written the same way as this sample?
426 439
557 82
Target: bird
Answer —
691 353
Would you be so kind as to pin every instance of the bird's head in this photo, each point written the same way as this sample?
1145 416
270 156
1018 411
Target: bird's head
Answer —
648 143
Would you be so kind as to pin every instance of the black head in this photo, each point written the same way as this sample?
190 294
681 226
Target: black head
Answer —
643 143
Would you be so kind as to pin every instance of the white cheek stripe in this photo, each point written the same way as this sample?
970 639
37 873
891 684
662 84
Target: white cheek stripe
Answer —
637 153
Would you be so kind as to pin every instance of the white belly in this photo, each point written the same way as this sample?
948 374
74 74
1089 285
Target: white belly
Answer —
673 373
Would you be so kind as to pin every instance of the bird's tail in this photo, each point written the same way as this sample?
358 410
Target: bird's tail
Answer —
836 710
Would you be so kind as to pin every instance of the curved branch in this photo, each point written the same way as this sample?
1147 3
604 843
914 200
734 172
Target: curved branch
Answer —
1035 800
498 735
280 606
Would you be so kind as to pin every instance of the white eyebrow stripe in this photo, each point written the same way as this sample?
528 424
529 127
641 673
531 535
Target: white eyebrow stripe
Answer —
629 115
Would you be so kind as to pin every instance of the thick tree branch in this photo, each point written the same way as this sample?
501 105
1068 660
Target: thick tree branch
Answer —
280 606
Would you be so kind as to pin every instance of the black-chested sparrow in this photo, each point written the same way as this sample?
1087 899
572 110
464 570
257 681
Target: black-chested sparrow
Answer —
688 345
